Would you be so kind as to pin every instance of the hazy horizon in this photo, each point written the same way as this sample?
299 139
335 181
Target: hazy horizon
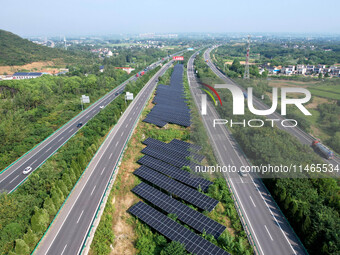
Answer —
85 17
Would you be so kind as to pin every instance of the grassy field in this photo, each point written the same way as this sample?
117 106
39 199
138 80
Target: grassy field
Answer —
325 94
315 87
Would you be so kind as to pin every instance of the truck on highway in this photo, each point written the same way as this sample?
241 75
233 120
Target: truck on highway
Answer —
327 153
140 74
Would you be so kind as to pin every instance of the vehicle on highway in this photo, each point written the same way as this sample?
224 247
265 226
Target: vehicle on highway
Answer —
116 94
101 107
27 170
327 153
79 125
243 173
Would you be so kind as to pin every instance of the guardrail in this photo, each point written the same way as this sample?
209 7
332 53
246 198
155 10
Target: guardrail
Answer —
256 176
113 173
236 202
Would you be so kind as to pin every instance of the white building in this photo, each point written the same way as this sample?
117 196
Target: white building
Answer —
288 70
21 75
301 69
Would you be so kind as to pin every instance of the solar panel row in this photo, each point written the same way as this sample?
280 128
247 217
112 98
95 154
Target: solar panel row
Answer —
171 106
178 162
187 145
175 173
182 191
187 215
176 150
174 231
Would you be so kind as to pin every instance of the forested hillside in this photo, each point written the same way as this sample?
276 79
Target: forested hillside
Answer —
15 50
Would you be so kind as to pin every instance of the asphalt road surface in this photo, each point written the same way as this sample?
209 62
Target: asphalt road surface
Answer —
301 135
11 178
67 234
267 226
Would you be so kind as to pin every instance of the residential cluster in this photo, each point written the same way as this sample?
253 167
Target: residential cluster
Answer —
103 52
301 70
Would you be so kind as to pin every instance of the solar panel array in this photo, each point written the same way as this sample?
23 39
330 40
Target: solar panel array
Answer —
175 173
187 215
186 145
193 243
170 102
182 191
176 150
161 166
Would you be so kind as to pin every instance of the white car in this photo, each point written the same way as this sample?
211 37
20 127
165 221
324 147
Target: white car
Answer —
101 107
27 170
243 173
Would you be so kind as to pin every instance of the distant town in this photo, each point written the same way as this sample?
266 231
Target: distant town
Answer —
312 70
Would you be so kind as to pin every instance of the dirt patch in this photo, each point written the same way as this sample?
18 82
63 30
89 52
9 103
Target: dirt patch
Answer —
41 66
124 198
316 101
287 83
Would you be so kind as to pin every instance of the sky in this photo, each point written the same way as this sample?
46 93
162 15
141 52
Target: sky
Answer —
104 17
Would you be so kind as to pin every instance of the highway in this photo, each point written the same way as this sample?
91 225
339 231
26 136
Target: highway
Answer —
68 232
267 228
301 135
13 176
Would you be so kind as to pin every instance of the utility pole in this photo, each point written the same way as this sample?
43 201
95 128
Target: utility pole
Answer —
246 71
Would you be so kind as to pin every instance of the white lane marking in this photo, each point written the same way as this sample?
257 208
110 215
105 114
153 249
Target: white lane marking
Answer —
110 155
274 217
116 144
103 170
93 190
252 201
80 216
14 179
68 213
130 119
126 125
34 161
63 250
60 139
49 148
241 179
268 233
122 134
271 214
233 188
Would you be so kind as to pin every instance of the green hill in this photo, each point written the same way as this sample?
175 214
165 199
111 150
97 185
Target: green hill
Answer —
15 50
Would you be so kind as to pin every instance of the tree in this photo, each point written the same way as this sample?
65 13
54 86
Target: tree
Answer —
30 238
145 245
49 206
21 248
39 220
63 188
57 197
174 248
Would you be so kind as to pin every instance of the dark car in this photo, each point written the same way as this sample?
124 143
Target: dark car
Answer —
79 125
116 94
